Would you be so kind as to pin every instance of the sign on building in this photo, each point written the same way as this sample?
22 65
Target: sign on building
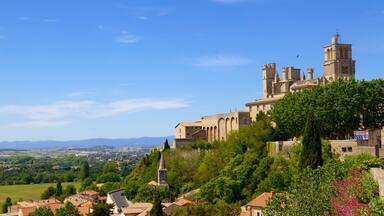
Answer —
361 135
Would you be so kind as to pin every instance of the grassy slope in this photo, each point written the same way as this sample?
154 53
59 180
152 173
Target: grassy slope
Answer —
26 192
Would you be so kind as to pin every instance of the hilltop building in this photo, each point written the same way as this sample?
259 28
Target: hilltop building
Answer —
338 64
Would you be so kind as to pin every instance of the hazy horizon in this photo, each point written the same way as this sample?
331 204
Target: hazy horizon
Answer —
78 69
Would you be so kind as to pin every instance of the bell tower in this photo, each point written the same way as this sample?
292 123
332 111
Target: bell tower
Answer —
162 172
338 62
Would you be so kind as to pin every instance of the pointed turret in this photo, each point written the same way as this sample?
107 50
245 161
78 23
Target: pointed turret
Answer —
162 172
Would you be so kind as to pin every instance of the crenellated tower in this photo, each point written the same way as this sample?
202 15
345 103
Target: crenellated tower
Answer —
269 75
338 62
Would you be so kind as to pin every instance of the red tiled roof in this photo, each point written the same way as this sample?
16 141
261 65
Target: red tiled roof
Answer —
260 201
183 202
89 192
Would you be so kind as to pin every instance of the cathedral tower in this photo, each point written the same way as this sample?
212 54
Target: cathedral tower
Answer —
338 62
162 172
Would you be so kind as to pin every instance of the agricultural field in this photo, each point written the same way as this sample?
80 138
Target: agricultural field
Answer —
27 192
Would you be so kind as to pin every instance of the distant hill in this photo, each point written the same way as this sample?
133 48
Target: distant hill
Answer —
146 142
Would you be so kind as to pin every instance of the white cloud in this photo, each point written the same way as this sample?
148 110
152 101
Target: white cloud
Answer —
126 38
24 18
55 110
79 94
36 124
143 18
135 105
64 112
221 60
230 1
50 20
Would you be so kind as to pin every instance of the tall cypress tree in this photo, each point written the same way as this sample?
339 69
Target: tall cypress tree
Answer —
84 171
311 155
166 145
59 189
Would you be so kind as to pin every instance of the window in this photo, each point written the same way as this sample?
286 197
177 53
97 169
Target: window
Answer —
344 149
349 149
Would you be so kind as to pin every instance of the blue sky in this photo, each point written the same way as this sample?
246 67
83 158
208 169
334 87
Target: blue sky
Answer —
74 69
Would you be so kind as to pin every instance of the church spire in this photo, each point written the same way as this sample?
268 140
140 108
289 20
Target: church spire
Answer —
162 172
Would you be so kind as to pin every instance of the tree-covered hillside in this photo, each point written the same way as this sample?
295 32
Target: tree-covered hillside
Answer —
230 173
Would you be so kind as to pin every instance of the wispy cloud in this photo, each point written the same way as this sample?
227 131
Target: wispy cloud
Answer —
142 18
230 1
222 60
36 124
127 38
140 11
64 112
50 20
82 93
24 18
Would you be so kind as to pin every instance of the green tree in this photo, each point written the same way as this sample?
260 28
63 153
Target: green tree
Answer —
86 184
59 189
7 203
84 171
110 168
311 156
42 211
102 209
68 210
166 145
109 177
48 193
157 209
69 190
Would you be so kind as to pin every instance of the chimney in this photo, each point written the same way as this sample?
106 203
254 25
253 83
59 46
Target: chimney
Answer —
310 73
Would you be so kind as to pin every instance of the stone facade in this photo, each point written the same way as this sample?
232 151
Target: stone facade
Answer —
338 64
219 126
342 148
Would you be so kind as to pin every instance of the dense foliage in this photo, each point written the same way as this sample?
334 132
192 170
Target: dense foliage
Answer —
339 106
32 170
311 155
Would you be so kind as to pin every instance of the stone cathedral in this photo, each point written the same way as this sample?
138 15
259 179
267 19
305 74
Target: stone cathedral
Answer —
338 64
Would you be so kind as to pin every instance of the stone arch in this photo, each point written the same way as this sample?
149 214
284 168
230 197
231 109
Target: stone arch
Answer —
233 124
228 126
222 132
215 133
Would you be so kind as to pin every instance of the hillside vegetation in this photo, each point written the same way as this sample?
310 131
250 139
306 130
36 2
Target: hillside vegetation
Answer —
230 173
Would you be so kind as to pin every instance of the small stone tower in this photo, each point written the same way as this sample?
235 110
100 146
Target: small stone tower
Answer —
269 75
338 62
162 172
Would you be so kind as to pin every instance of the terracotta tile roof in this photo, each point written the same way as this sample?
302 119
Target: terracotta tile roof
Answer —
190 124
25 211
245 213
89 193
265 100
183 202
152 183
261 201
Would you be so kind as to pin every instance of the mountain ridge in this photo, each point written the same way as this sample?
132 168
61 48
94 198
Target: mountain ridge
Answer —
147 142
